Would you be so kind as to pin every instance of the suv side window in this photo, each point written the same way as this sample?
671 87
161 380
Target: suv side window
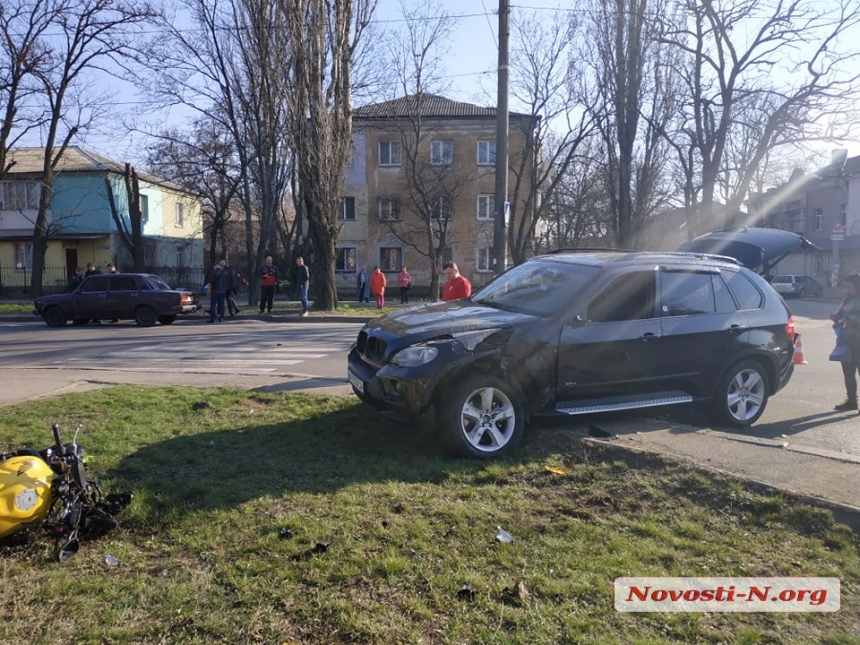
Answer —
725 302
745 292
684 293
628 297
95 283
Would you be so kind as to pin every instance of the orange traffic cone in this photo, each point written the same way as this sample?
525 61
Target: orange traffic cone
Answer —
798 358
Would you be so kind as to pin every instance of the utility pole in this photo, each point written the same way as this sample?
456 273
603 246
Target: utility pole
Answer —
500 238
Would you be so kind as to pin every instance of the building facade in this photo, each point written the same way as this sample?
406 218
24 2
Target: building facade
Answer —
422 173
823 206
81 227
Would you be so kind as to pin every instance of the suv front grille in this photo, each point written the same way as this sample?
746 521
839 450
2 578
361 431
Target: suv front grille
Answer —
375 348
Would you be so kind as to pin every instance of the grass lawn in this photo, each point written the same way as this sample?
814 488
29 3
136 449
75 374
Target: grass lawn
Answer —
234 499
18 307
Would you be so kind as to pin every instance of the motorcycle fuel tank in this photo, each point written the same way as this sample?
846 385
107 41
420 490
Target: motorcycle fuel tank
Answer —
25 492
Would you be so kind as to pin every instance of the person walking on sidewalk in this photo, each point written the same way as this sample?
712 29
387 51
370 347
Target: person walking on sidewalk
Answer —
847 320
269 276
362 286
303 279
377 287
404 281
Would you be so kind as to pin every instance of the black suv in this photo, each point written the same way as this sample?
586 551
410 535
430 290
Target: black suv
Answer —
578 333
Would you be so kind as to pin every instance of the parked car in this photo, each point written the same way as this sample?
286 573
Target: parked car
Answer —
141 297
797 285
577 333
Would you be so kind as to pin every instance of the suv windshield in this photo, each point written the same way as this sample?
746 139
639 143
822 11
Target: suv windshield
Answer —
538 287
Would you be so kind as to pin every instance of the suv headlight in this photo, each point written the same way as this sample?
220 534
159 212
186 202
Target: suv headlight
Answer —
414 356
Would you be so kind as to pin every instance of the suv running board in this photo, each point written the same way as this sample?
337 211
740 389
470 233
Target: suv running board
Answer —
630 402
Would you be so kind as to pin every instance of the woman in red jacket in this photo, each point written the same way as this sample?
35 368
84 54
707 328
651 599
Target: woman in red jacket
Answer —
377 287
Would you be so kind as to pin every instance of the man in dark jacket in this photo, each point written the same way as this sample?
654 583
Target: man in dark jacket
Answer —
220 281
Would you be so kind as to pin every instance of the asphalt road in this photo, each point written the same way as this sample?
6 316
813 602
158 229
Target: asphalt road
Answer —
800 443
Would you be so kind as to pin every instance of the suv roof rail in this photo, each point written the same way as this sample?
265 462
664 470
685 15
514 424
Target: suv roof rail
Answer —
589 249
709 256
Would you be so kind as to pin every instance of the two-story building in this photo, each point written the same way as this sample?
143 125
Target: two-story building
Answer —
81 227
824 207
423 172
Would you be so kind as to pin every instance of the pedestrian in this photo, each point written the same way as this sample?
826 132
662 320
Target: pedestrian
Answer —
404 281
377 287
303 279
269 277
76 279
220 280
235 282
111 268
91 270
361 286
846 323
456 286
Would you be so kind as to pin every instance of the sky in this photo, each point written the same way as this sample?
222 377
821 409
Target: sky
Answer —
469 68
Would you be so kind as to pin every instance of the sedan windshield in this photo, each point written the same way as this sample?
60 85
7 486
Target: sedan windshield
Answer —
538 287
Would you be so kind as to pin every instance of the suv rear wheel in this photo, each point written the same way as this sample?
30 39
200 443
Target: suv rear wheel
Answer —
482 417
741 395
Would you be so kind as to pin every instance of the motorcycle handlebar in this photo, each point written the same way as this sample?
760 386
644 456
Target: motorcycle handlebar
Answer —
57 439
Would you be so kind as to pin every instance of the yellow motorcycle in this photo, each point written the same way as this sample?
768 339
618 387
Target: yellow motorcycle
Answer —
53 488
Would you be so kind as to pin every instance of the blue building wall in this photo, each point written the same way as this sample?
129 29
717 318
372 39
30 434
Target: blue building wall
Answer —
80 203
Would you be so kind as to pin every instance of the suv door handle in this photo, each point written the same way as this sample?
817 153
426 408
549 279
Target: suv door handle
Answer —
648 336
735 328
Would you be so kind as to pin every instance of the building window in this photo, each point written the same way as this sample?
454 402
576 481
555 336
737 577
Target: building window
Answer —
390 258
441 153
486 207
441 209
23 257
446 257
486 153
347 209
389 153
484 260
817 220
843 214
20 195
389 209
180 215
144 209
345 260
180 255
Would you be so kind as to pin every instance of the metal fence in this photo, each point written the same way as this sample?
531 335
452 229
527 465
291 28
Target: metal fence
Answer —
15 283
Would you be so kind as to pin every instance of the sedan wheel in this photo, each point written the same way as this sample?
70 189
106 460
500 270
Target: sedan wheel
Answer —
145 316
55 317
482 418
742 394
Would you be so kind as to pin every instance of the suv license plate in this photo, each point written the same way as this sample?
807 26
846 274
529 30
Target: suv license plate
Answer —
357 383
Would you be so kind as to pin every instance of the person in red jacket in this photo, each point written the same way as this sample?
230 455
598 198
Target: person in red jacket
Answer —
377 287
457 287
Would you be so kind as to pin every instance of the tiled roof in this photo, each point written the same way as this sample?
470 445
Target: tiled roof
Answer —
425 105
75 159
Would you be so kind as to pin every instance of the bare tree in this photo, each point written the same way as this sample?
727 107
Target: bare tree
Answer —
324 36
93 33
23 50
560 118
622 37
203 161
233 69
760 74
131 231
